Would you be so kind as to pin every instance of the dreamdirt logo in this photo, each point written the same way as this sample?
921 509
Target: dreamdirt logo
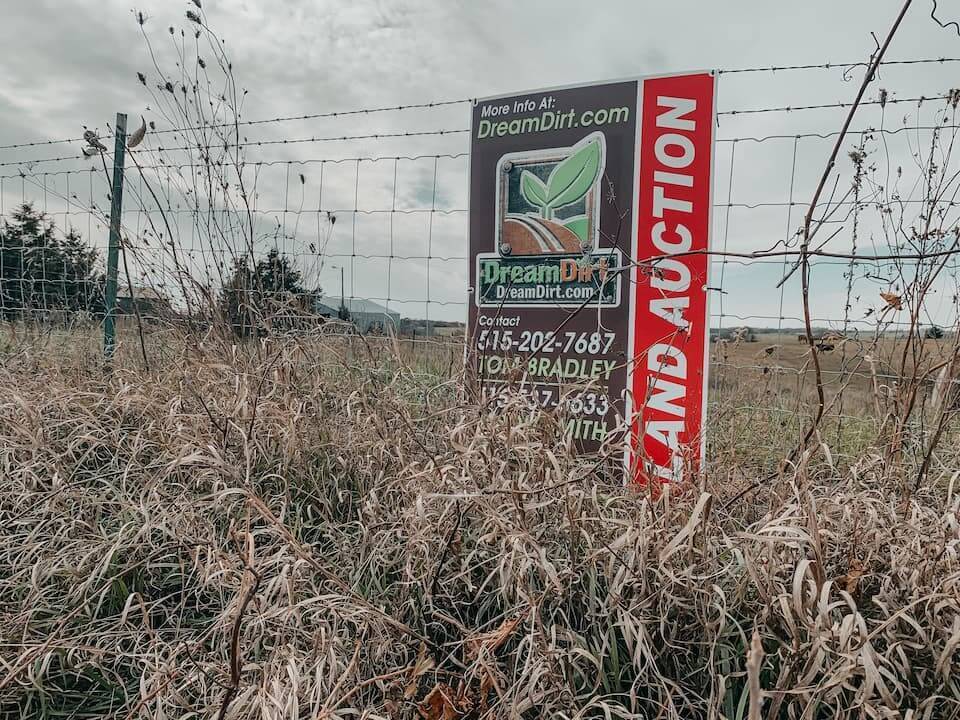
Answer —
547 231
548 201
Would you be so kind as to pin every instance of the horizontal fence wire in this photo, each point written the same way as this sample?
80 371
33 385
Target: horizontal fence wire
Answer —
846 66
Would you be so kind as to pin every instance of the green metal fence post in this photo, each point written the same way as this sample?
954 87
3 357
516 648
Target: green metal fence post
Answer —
116 208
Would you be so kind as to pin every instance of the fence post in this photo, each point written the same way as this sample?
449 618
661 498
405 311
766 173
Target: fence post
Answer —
113 251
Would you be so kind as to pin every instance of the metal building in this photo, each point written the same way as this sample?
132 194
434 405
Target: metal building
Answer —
367 315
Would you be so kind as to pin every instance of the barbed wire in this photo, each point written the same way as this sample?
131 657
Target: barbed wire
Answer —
836 105
836 66
307 161
459 101
248 164
259 143
264 121
357 248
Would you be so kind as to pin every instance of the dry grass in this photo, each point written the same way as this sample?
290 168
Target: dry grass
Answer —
846 365
762 394
319 530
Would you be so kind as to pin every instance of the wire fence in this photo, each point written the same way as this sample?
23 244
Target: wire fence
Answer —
369 207
760 179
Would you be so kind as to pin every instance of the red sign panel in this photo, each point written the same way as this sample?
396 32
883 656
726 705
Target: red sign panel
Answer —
589 226
670 320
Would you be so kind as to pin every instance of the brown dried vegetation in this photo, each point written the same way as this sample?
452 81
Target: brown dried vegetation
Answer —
294 532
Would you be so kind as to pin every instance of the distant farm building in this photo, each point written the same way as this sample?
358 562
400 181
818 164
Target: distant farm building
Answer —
453 330
419 327
366 315
145 302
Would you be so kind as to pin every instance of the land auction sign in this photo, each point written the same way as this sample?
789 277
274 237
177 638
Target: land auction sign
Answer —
589 226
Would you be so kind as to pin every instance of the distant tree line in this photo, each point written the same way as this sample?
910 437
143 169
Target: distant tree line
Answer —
419 326
42 270
45 270
264 295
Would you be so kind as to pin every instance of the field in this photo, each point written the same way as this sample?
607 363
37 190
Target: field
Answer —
320 527
769 387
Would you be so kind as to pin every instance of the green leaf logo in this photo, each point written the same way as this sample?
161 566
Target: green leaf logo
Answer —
533 189
573 177
579 226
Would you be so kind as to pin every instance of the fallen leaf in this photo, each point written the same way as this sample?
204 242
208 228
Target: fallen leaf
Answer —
443 703
424 665
486 685
493 640
852 578
892 300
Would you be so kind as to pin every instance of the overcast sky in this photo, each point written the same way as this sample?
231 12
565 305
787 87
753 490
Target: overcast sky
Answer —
70 63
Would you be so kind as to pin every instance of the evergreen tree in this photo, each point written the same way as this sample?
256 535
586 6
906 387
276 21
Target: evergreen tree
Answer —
265 295
40 271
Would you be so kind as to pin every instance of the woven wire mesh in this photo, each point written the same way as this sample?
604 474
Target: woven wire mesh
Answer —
370 208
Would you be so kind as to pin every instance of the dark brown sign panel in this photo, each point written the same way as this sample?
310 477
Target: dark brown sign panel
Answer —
553 239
